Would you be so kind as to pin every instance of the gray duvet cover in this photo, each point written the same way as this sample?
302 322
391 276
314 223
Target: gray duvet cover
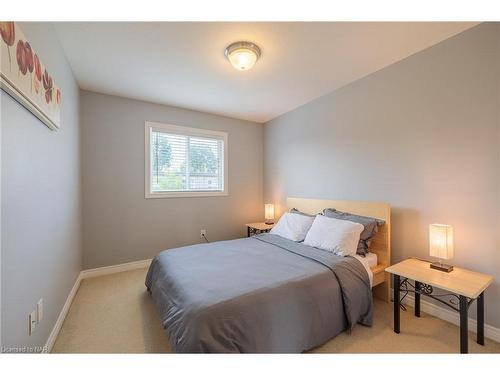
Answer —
263 294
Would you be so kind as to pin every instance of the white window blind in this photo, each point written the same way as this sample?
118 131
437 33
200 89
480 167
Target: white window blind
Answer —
186 160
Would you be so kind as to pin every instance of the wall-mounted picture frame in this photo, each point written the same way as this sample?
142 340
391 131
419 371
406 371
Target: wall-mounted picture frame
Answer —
24 77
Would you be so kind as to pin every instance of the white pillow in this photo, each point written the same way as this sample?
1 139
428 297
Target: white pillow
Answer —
293 226
338 236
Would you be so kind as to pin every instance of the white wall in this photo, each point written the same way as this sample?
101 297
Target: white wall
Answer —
41 202
120 225
423 135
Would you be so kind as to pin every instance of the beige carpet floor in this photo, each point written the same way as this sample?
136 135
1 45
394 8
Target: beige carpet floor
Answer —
115 314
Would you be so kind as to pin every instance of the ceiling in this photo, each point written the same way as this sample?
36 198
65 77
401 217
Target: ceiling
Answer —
183 64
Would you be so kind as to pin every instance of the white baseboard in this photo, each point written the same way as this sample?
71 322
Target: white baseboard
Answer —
101 271
453 317
86 274
62 315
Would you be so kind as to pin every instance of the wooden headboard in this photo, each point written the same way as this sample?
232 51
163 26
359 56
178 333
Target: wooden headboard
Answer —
380 244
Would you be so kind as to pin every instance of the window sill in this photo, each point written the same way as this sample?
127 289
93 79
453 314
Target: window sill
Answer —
187 194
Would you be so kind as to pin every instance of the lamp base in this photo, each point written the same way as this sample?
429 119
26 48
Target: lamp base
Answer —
441 267
269 222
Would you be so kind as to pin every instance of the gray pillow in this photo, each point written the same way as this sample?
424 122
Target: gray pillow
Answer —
295 211
371 226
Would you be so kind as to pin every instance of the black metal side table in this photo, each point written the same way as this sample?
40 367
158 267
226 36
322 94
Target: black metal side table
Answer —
256 228
461 288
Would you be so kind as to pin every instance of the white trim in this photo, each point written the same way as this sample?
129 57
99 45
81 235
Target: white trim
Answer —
185 130
186 194
62 315
86 274
182 130
490 332
101 271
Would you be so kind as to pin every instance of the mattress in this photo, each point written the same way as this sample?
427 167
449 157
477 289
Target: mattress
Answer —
368 261
371 258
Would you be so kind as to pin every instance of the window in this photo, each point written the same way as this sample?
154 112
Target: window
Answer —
185 162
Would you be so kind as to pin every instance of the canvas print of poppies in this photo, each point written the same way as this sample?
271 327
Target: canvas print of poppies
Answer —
25 78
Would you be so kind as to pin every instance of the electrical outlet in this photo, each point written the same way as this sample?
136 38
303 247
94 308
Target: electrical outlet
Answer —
39 310
203 232
32 322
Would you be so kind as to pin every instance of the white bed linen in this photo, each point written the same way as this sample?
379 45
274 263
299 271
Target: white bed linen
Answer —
293 226
365 263
338 236
371 258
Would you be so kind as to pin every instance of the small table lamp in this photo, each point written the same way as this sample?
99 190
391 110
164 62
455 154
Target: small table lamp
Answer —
269 213
441 245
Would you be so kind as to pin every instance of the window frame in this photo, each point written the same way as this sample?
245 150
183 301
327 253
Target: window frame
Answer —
186 131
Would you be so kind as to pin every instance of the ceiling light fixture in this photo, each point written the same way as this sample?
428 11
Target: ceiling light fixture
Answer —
242 55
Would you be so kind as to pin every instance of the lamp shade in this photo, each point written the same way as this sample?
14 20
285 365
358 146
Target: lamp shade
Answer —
441 241
269 211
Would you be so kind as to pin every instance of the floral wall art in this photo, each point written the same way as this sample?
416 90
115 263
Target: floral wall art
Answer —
24 77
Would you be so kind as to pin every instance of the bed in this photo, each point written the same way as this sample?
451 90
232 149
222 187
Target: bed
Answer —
266 294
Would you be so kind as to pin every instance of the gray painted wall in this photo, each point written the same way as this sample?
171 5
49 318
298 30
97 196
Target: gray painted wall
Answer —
386 137
41 202
422 134
120 225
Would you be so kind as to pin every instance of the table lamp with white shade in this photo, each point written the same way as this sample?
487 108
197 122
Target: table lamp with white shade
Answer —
269 213
441 245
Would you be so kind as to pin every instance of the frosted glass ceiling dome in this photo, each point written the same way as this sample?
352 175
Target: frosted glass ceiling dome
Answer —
243 55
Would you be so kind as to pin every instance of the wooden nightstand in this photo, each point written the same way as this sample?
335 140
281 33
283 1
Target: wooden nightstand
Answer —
256 228
462 288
